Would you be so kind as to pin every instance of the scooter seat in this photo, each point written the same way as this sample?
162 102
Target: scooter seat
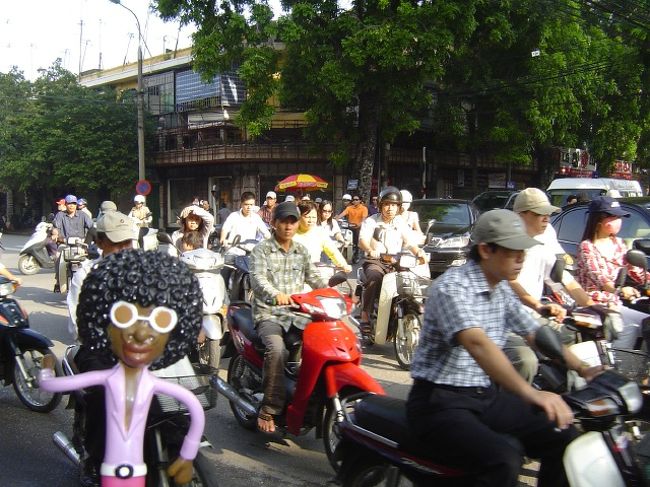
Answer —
243 318
386 416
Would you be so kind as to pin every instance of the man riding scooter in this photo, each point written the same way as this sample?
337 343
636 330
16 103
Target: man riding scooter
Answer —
394 234
468 403
115 232
356 213
279 268
66 224
534 208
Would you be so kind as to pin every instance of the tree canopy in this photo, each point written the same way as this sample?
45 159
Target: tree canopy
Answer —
56 134
500 78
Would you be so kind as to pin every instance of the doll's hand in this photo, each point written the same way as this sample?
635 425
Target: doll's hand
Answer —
181 470
49 361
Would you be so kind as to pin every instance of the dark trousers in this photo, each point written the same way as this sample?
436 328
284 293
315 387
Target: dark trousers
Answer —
375 272
275 357
472 429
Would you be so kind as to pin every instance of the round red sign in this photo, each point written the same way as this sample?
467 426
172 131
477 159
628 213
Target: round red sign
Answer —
143 187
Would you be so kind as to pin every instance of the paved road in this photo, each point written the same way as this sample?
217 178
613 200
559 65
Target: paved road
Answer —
28 457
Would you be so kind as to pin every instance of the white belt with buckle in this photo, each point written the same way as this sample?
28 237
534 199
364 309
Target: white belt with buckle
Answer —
123 470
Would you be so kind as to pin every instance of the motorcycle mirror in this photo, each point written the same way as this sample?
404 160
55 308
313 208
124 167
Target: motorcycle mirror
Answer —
431 223
637 258
378 234
336 279
642 244
163 237
558 269
548 342
236 240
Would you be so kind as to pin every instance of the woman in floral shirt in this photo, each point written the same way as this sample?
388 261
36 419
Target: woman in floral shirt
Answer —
600 255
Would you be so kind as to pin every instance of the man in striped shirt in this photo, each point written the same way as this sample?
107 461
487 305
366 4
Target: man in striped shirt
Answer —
279 268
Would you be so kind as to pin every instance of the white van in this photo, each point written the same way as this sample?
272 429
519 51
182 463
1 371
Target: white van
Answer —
559 189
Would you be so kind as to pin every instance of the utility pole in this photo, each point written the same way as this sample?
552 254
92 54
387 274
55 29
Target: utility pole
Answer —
140 97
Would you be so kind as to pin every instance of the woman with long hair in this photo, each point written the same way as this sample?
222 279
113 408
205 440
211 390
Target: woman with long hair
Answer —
600 256
194 218
327 221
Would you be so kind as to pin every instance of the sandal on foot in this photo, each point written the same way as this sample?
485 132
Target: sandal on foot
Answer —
267 418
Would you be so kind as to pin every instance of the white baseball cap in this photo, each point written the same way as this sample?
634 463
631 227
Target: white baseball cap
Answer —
271 194
346 197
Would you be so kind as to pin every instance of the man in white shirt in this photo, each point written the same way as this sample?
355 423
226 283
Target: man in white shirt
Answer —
534 208
245 222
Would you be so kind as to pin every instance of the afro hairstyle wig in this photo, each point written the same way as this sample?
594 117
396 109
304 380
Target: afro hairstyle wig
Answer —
147 278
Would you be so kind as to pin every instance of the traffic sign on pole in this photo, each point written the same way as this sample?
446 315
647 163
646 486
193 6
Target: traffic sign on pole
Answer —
143 187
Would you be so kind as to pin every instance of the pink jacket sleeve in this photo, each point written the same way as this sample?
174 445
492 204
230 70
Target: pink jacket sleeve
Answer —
197 417
48 382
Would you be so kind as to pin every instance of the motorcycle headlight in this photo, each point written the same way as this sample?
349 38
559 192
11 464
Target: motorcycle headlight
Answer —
6 289
334 308
454 242
632 396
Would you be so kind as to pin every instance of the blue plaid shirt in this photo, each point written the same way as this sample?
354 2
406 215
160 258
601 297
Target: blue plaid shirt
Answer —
458 300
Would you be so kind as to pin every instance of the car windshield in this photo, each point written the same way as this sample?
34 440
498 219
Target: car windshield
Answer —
558 197
490 201
453 214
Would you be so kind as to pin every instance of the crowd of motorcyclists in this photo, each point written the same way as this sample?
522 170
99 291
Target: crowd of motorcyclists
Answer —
476 357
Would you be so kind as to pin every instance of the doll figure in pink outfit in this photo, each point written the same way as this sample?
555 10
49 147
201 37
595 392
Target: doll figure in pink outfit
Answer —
141 309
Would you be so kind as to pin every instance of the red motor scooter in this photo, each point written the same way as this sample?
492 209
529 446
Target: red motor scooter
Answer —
322 369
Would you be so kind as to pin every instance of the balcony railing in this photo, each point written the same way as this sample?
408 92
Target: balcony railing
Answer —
228 153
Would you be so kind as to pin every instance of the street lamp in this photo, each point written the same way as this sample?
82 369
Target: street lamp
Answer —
140 97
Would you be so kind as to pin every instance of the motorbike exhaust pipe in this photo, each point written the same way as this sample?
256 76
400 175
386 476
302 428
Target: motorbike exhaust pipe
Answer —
231 394
65 445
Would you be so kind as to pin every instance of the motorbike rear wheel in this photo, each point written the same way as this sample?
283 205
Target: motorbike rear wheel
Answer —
406 339
331 437
27 389
240 376
28 265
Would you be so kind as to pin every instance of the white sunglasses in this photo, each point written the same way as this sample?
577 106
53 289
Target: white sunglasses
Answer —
161 318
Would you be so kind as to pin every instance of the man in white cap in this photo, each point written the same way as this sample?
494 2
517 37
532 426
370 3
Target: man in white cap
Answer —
266 211
115 231
534 208
466 391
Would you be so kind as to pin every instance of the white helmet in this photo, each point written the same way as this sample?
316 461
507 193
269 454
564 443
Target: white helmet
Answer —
346 197
406 196
138 198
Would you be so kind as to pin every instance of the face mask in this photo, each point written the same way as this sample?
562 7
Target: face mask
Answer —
613 226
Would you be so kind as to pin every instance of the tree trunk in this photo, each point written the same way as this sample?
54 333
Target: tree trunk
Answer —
367 147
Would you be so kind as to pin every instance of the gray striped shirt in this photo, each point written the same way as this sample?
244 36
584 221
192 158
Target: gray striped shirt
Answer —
274 271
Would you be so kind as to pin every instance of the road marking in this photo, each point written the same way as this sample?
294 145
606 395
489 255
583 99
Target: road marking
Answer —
14 249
